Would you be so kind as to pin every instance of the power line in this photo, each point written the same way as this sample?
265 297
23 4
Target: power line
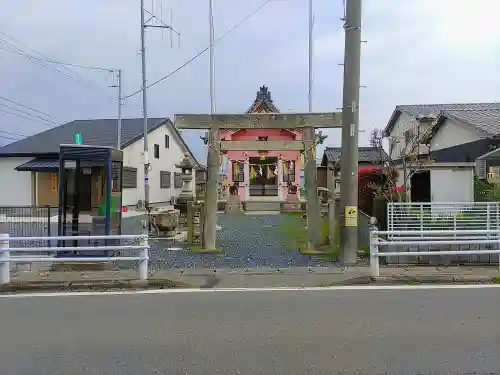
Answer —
28 114
24 117
28 107
79 79
12 133
203 51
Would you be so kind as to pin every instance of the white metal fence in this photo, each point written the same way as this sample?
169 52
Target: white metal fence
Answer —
6 251
419 217
487 242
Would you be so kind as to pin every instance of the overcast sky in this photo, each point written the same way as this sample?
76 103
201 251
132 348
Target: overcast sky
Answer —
418 51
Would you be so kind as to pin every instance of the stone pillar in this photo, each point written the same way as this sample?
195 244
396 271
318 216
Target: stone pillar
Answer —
213 167
280 179
246 171
313 219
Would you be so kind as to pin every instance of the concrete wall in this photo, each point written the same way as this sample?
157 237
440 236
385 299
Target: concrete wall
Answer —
15 187
133 157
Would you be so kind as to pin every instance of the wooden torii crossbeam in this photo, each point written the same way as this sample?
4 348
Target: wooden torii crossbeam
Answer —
307 122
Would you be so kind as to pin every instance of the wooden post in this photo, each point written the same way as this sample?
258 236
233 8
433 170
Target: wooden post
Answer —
202 222
190 226
210 219
313 219
331 221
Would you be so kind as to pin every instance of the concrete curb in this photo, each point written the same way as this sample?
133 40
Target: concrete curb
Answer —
89 285
164 283
441 279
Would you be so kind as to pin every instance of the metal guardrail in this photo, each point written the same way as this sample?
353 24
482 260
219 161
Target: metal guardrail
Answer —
6 258
406 216
430 237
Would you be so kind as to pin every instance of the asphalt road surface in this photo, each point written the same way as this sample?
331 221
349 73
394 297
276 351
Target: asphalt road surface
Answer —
439 331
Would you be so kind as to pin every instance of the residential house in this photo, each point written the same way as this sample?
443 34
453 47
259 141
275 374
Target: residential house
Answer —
328 173
29 167
452 137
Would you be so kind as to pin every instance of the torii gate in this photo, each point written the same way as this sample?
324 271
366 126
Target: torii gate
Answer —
308 122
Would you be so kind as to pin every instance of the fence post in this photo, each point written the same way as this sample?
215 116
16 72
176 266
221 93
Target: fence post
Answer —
374 259
143 263
331 221
4 256
421 218
189 218
49 227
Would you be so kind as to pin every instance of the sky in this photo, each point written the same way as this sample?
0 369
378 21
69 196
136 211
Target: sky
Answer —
416 52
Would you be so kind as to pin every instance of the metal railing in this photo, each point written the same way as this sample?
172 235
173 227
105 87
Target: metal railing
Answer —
431 238
27 221
403 216
6 250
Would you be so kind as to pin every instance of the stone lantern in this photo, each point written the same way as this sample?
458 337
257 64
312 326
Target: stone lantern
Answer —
187 193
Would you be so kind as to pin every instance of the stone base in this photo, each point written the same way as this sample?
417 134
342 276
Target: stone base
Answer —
76 266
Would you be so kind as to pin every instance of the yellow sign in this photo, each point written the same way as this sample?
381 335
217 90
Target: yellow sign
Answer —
351 216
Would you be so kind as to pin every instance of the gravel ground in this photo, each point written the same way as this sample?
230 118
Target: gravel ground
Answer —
246 241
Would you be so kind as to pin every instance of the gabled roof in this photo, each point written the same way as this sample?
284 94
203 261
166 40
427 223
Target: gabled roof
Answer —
366 155
96 132
483 116
263 97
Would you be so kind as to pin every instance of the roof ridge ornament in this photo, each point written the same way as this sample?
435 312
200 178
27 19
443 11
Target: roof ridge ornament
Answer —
263 94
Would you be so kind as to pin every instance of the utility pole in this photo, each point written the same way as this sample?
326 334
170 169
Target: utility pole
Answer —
145 111
213 157
144 25
311 23
350 128
120 95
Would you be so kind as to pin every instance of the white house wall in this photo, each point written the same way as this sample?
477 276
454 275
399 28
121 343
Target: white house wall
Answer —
133 157
403 123
452 185
453 133
16 187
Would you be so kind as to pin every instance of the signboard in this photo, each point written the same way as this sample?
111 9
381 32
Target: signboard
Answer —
54 181
351 216
77 139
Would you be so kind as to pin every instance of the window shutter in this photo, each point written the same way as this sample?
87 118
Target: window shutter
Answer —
129 178
481 169
177 180
165 180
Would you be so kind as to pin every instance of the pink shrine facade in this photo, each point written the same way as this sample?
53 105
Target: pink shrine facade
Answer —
263 175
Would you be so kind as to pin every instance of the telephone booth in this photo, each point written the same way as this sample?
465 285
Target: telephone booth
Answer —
90 195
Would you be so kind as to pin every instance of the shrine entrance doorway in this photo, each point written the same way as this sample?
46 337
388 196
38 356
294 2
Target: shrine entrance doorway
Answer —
263 177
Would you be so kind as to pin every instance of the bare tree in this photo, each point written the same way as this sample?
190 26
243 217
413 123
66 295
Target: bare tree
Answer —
404 154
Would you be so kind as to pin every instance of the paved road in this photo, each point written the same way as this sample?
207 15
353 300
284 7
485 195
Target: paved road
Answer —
306 332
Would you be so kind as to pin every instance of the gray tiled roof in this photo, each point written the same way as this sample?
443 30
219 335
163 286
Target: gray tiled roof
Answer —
100 132
366 155
483 116
44 164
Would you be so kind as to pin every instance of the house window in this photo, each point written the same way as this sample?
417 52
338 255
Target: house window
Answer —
288 171
167 141
177 180
165 180
238 172
129 178
157 151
